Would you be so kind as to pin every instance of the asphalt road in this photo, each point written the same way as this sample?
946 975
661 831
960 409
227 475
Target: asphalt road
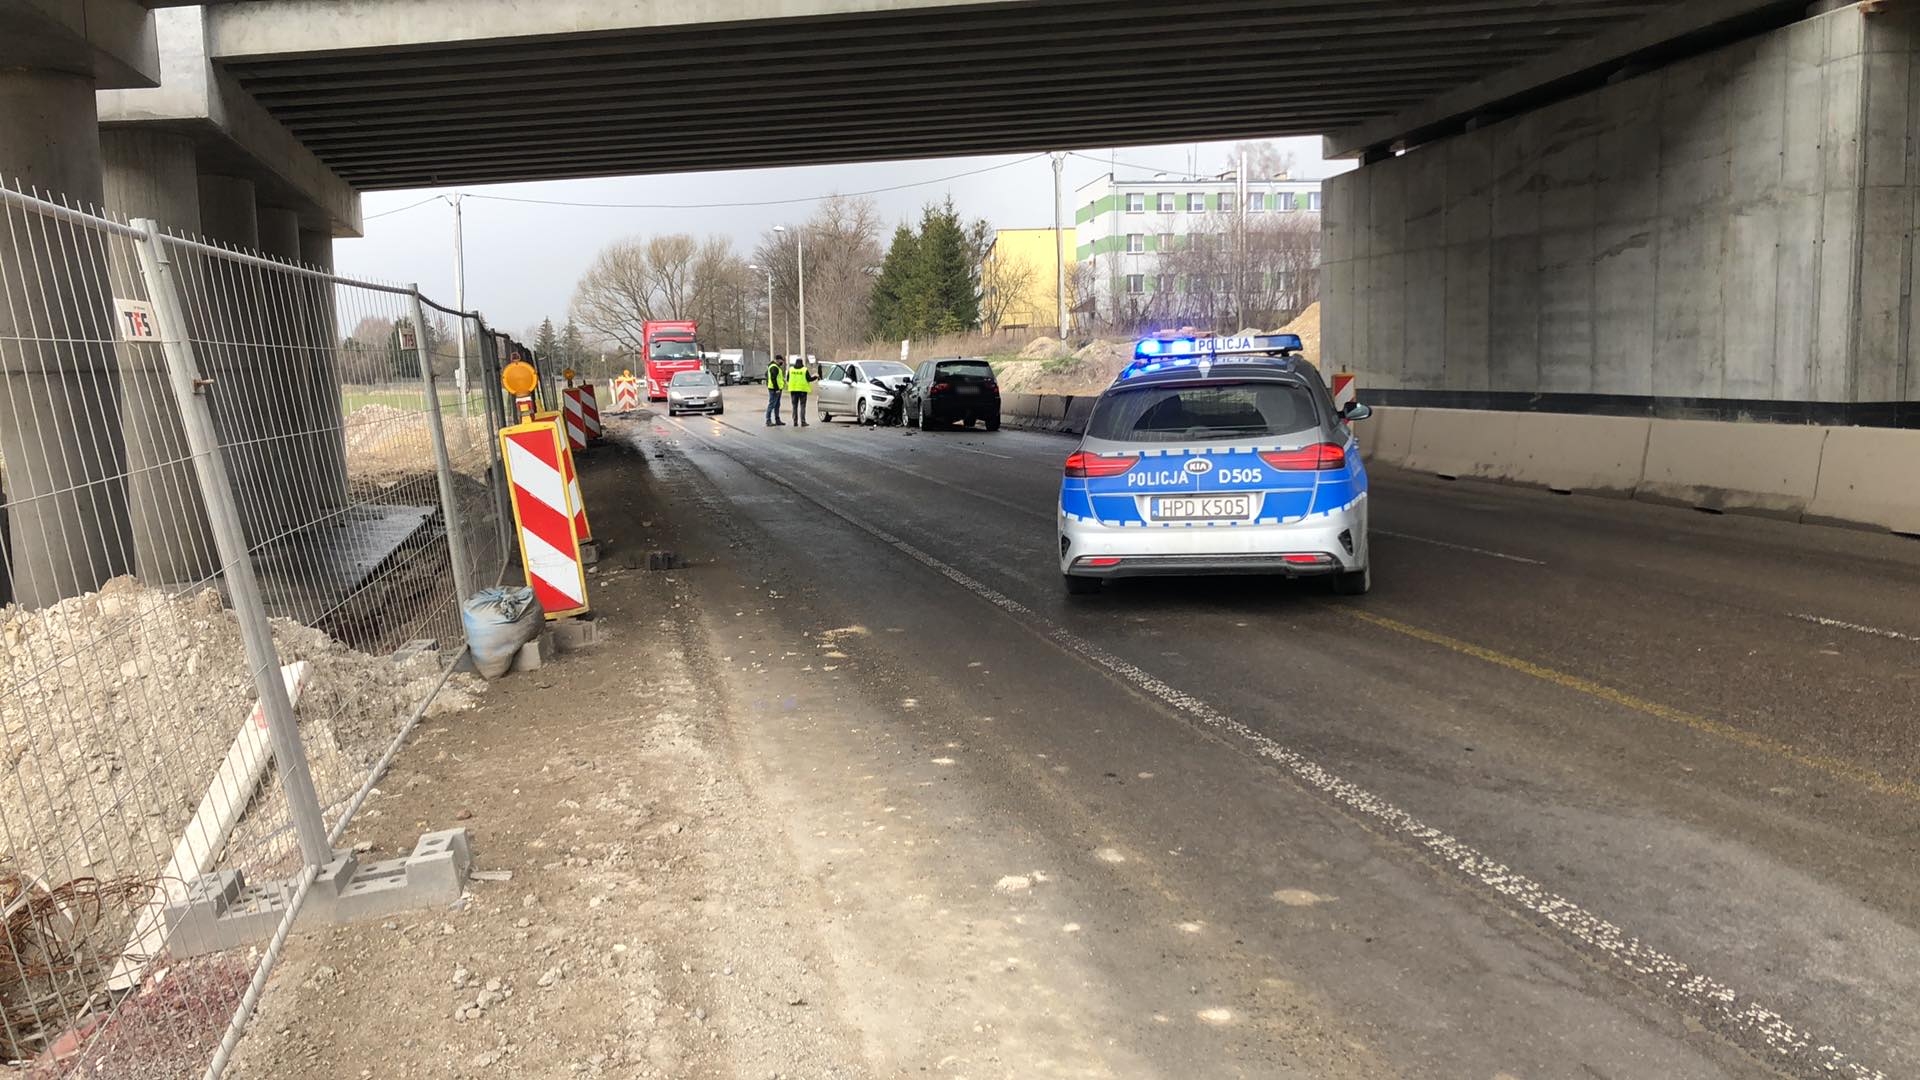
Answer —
1584 788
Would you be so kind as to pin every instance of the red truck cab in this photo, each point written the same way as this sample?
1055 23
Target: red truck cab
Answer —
667 348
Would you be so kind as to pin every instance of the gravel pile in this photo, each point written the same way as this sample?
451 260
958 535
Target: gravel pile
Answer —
118 707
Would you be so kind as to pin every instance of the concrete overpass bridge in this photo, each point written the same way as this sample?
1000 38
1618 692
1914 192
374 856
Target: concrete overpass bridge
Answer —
1579 205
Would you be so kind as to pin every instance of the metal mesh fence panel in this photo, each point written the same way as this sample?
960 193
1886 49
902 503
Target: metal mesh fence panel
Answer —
136 594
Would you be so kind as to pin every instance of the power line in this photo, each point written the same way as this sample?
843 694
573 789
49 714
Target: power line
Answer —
403 209
1109 162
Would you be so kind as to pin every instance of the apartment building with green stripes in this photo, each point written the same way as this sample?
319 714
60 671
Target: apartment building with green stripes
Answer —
1124 227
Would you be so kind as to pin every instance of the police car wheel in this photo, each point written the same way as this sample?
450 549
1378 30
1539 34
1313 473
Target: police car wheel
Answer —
826 417
1081 586
1355 583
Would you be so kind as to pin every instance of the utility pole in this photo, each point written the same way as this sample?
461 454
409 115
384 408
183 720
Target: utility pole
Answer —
769 270
1059 252
800 266
460 295
1240 288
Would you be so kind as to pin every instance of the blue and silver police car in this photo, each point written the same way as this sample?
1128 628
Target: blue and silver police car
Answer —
1216 455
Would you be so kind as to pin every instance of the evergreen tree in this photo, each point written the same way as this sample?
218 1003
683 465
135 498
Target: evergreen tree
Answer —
573 349
947 272
894 307
546 343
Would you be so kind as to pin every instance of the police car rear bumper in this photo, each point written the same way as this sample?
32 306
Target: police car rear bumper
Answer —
1330 544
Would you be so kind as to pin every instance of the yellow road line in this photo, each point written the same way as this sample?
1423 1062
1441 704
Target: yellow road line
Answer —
1826 763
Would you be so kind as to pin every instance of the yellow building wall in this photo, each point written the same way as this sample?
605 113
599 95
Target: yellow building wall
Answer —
1028 254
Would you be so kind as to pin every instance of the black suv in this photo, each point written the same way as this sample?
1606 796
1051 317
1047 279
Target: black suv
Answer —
955 390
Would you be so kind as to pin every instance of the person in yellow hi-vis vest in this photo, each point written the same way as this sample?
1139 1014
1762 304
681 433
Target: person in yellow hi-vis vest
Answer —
799 385
776 382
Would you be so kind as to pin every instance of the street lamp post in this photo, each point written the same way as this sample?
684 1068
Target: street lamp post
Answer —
800 268
460 294
769 272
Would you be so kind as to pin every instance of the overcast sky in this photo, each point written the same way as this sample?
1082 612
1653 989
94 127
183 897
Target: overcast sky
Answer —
523 258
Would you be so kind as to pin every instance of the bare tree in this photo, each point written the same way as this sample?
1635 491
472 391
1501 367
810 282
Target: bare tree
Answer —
1265 160
843 252
670 261
616 295
1007 295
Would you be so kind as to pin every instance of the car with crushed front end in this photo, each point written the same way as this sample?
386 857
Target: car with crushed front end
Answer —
1216 455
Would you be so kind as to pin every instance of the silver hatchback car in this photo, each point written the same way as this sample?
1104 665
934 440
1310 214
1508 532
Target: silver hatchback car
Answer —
1216 456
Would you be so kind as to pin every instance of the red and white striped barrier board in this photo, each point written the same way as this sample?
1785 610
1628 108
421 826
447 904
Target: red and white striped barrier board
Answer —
544 514
626 393
580 526
590 411
574 413
1344 391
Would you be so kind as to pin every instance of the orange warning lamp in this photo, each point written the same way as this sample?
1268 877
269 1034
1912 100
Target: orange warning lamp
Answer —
519 378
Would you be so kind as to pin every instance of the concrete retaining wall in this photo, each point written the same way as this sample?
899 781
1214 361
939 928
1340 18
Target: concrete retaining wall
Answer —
1765 186
1833 475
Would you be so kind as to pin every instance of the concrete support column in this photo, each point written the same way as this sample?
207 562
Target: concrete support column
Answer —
295 402
65 463
236 310
149 173
279 232
330 447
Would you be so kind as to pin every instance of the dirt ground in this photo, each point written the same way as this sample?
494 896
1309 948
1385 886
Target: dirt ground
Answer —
651 927
739 851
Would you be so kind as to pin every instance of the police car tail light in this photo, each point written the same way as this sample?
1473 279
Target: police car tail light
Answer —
939 388
1324 455
1084 465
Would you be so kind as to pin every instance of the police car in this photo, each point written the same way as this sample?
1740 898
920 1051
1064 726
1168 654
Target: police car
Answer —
1216 455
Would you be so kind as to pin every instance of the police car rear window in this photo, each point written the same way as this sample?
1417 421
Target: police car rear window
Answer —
1186 413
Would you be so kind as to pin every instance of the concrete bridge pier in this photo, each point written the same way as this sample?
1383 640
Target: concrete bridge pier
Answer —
153 173
60 437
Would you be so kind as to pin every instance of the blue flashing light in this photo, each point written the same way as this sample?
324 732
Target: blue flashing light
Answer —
1182 347
1147 347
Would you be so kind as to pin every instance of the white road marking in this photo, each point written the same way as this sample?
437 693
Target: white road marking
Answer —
1636 958
1841 624
1457 547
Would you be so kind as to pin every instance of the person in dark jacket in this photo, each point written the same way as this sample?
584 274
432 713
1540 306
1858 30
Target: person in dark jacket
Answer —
776 382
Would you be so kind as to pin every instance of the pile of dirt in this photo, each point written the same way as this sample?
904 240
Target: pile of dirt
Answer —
119 706
1307 325
1045 348
1088 370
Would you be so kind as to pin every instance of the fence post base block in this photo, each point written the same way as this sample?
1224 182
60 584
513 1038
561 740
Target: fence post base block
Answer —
220 911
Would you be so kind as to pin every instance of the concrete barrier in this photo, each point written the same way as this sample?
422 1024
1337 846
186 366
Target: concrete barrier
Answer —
1078 411
1012 405
1033 412
1769 469
1869 476
1463 442
1387 435
1592 455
